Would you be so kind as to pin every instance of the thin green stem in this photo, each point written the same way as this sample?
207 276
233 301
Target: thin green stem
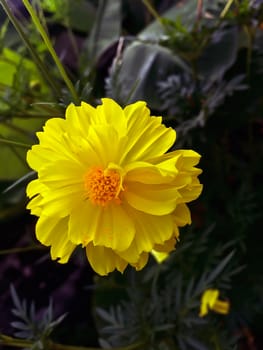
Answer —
42 68
13 143
21 250
17 129
49 345
10 341
51 50
226 8
56 346
31 115
152 11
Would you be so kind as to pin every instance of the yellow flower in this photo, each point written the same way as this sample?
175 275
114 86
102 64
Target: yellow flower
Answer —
210 301
105 183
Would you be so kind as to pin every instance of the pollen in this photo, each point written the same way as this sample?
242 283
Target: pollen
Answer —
103 186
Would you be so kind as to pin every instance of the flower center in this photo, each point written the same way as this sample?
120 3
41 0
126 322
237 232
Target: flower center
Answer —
103 186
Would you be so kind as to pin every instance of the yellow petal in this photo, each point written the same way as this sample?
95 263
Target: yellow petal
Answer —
143 259
54 127
45 228
78 118
104 139
62 143
190 192
147 173
108 226
161 251
203 310
221 307
63 173
104 260
61 249
53 145
35 205
167 164
147 137
53 231
210 301
159 256
182 215
52 136
89 114
35 187
37 157
83 222
116 229
150 231
168 245
153 141
188 160
62 201
151 199
111 113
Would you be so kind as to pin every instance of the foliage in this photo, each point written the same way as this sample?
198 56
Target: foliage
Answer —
199 64
162 303
29 325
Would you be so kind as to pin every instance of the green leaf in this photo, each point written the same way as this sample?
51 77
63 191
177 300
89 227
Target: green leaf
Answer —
77 15
10 61
14 158
17 73
185 11
212 276
143 65
7 70
81 15
51 5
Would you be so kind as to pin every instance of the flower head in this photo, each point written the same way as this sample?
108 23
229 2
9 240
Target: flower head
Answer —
105 183
210 301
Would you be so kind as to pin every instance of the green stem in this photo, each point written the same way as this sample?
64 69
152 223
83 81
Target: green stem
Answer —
44 71
21 250
31 115
152 11
10 341
17 129
51 50
56 346
14 143
21 343
226 8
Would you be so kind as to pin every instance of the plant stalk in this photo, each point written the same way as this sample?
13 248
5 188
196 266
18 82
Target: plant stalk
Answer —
14 143
42 68
152 11
50 345
226 8
20 250
51 50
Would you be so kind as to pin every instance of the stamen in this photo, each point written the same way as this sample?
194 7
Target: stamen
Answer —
103 186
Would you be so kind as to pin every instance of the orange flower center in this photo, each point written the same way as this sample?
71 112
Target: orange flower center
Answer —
103 186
